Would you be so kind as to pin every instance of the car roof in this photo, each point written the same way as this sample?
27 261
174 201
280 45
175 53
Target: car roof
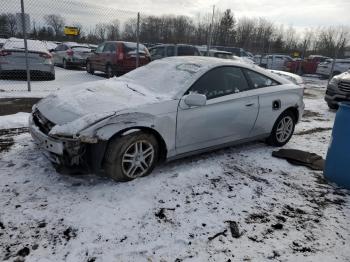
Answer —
172 45
211 62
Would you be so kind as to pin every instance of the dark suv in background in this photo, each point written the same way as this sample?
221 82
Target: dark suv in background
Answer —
166 50
338 90
116 58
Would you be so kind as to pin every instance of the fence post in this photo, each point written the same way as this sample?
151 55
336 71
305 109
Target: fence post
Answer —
138 40
25 45
333 63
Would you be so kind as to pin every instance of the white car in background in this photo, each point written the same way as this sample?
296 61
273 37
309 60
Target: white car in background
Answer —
296 79
275 61
341 65
13 59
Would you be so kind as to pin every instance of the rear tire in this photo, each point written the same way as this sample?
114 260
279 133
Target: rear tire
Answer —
131 156
89 68
282 130
65 64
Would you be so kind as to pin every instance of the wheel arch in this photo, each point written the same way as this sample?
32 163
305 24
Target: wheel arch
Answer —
294 110
161 142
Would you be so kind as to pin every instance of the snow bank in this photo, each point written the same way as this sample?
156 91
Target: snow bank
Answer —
14 121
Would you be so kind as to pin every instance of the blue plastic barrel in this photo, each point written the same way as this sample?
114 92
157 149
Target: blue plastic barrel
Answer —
337 167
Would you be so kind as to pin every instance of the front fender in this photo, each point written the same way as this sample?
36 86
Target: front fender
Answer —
107 128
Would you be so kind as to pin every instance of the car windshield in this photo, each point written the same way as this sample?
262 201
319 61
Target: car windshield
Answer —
163 78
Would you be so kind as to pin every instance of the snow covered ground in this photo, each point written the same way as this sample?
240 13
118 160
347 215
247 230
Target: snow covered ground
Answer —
235 204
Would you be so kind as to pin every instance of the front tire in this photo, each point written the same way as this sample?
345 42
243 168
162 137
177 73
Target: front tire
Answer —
332 106
109 71
131 156
283 129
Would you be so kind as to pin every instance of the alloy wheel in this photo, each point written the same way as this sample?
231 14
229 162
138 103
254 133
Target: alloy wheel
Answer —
137 159
284 129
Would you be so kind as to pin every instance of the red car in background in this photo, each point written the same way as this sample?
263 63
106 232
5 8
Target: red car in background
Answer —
306 66
116 58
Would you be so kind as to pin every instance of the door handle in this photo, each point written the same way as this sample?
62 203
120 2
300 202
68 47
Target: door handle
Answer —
251 104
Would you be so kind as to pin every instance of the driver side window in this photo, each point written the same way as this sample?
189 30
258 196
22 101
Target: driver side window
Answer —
219 82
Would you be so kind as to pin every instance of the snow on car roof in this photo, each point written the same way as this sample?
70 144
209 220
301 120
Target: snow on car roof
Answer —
18 44
168 76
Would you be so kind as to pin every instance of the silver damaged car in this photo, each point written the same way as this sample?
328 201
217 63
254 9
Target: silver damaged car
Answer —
168 109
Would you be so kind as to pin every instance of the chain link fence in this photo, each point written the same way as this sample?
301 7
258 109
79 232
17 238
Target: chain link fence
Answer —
53 40
70 42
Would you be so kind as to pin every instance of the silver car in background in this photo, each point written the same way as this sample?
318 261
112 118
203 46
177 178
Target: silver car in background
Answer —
168 109
71 54
13 62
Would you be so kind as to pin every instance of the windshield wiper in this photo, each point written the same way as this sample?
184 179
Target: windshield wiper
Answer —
134 90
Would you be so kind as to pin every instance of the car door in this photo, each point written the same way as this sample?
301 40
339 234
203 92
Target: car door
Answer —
229 114
271 101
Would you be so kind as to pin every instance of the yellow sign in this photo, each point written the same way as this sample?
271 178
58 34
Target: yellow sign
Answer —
69 30
296 54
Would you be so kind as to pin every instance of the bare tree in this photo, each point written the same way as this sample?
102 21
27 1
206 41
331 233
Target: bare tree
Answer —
56 22
129 32
226 30
11 24
101 30
113 30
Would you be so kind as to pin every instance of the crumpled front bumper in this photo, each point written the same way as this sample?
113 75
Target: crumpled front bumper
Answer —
61 152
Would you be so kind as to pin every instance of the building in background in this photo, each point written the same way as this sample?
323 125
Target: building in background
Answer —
19 22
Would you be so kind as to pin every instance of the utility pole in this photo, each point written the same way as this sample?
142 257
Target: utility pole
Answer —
25 45
210 31
138 40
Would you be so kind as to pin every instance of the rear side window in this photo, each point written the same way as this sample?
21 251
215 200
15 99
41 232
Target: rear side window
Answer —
259 80
158 51
131 47
109 48
185 51
220 81
170 51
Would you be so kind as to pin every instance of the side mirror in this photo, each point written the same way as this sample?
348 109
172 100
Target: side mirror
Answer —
195 99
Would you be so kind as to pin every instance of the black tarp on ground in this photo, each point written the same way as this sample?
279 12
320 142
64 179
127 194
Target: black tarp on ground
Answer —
299 157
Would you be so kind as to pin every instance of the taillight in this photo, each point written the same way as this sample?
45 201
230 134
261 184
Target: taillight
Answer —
4 53
70 52
120 52
46 56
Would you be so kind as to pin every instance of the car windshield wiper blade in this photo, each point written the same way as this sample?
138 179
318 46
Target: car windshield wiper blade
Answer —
135 90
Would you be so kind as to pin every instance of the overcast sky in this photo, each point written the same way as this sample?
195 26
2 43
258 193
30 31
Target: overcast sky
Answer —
299 13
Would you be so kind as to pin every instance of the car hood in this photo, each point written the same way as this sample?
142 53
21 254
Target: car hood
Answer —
94 101
344 76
